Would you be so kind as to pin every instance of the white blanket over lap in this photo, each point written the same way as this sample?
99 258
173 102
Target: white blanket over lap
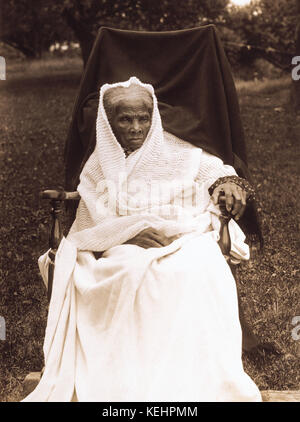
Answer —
170 333
158 324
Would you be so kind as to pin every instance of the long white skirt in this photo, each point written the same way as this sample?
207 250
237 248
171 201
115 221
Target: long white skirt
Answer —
158 324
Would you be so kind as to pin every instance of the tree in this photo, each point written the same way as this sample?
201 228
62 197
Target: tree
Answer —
32 25
86 17
268 26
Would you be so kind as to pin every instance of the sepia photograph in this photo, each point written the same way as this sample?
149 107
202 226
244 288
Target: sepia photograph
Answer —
149 191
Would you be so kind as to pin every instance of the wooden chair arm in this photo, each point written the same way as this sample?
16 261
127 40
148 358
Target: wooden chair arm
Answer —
224 241
56 198
60 195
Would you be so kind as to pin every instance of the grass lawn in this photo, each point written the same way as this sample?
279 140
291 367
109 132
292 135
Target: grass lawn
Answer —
36 103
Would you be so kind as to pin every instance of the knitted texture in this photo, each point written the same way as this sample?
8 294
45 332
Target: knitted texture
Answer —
164 185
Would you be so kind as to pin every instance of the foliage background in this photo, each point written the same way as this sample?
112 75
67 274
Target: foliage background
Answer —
32 26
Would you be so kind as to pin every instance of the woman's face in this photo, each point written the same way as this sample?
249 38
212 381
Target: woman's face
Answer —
131 122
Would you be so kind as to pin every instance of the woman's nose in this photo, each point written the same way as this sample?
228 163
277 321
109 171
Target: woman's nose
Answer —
136 127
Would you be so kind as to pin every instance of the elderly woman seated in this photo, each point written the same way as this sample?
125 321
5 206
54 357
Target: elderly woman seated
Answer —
144 306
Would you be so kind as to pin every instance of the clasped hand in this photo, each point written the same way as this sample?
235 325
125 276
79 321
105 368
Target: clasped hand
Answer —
151 238
235 198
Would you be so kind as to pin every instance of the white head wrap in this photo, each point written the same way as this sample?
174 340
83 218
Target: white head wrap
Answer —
109 151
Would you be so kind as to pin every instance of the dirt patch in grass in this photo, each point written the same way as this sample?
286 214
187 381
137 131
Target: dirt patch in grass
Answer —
35 108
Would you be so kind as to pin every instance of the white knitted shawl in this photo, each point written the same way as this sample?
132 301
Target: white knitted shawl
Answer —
156 186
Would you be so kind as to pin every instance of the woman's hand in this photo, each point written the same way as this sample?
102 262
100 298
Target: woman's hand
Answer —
150 238
235 197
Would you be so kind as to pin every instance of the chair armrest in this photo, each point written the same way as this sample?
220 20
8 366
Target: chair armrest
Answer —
225 241
57 195
56 198
225 217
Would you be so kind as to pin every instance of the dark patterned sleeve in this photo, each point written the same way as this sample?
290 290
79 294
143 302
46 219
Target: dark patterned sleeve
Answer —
243 183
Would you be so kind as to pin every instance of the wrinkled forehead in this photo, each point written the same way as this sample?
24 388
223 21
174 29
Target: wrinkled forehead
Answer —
122 97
